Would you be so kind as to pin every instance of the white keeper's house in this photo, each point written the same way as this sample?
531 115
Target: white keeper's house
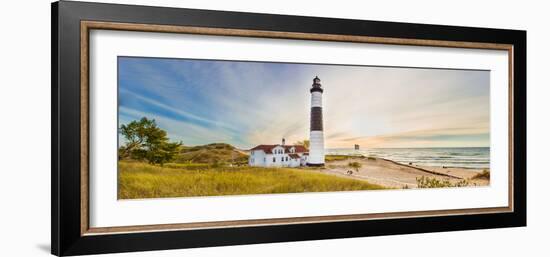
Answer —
278 155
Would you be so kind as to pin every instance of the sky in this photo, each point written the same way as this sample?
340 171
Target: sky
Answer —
250 103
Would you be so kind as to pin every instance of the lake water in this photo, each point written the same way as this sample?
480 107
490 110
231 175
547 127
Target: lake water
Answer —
463 157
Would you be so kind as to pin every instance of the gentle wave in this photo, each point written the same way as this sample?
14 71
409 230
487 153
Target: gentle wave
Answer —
467 157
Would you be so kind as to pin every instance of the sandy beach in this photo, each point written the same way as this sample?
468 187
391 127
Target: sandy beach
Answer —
395 175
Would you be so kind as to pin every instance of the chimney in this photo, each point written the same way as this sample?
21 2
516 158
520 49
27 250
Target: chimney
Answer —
283 141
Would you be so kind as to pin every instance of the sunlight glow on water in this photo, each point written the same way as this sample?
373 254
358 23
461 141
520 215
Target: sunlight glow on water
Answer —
464 157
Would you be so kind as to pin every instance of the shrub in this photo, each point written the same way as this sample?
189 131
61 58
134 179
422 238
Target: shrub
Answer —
329 158
427 182
355 165
485 174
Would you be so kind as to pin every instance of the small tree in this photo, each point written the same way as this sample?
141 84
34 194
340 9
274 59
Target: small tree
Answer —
145 140
355 165
304 143
162 153
135 134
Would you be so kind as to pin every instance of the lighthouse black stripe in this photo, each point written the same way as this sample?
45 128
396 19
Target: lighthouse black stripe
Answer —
316 123
316 89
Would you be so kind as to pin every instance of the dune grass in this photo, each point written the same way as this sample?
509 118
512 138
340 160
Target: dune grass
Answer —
140 180
210 154
337 157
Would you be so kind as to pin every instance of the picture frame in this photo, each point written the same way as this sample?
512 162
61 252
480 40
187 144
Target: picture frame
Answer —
71 26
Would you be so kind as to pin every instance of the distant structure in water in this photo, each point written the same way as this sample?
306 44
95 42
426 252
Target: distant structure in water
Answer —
356 147
316 135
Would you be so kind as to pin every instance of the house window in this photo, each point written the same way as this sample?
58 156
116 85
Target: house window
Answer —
286 158
273 159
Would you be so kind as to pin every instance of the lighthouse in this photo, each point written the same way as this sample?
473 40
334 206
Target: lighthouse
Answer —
316 136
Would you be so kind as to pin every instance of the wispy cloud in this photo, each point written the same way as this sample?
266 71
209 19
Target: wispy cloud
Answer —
183 113
177 130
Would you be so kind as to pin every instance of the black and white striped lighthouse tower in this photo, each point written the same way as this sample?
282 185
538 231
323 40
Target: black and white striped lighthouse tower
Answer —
316 136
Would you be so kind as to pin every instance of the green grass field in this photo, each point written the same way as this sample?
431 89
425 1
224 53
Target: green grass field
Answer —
140 180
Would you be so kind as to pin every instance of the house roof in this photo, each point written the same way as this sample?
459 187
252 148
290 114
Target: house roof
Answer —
294 156
269 148
265 148
297 148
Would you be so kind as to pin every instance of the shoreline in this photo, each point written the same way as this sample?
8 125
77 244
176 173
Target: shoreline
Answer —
450 157
422 169
392 174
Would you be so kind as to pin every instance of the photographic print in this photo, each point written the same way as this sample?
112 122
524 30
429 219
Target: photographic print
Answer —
191 127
